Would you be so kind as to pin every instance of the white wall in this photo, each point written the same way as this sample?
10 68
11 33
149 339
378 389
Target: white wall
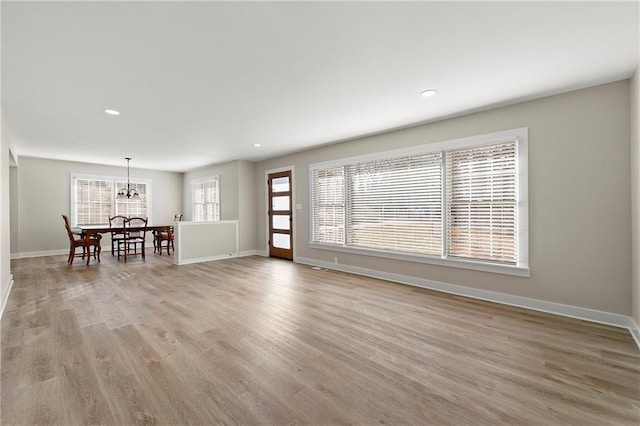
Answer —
44 195
237 196
579 198
635 192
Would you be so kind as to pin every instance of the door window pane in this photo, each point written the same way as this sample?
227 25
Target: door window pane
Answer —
280 184
282 222
280 203
281 241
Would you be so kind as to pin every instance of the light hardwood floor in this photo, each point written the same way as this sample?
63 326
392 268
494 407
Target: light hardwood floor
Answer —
265 341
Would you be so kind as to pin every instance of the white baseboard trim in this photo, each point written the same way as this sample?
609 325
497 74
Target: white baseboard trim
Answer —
28 254
635 331
491 296
147 246
262 253
5 296
206 259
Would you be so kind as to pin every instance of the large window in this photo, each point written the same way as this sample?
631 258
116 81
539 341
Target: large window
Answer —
459 203
206 199
93 199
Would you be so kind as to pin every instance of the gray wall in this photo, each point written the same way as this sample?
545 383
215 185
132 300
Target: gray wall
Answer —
247 204
14 210
228 173
237 196
635 192
43 194
579 197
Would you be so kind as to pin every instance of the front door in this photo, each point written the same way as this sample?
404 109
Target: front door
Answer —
280 215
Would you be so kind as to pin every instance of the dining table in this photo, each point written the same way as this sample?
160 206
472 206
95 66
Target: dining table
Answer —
90 230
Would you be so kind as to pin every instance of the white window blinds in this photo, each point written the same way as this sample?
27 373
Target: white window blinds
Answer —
206 199
396 204
94 200
465 201
482 203
327 193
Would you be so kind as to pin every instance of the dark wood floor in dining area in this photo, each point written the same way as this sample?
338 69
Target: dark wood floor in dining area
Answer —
264 341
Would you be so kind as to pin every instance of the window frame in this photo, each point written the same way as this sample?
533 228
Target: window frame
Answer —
73 212
200 181
519 135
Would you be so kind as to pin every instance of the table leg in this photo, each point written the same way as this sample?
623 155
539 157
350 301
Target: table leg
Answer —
87 239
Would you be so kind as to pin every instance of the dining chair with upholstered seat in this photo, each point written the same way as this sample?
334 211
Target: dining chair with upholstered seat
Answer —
116 237
76 240
134 235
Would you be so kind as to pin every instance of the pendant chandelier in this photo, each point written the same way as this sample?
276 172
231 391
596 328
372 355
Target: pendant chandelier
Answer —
128 192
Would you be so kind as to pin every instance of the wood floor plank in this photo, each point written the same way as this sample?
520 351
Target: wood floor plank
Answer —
210 392
84 399
38 404
124 394
263 341
158 379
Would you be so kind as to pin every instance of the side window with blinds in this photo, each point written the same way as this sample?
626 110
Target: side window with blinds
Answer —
206 199
465 201
482 202
327 193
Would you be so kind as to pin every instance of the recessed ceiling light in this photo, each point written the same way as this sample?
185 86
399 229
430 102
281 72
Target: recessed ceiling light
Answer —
112 112
428 92
257 145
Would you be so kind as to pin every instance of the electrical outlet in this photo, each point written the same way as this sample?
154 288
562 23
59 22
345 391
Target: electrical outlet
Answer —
335 260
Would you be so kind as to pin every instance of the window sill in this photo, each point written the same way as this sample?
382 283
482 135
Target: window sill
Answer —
519 271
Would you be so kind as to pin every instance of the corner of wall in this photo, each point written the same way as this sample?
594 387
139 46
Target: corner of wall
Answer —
7 158
6 290
635 331
635 197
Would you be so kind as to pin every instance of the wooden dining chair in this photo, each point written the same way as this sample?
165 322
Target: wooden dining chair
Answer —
160 236
76 241
134 237
116 237
167 235
176 218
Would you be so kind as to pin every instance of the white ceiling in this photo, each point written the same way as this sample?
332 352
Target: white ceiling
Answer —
199 83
